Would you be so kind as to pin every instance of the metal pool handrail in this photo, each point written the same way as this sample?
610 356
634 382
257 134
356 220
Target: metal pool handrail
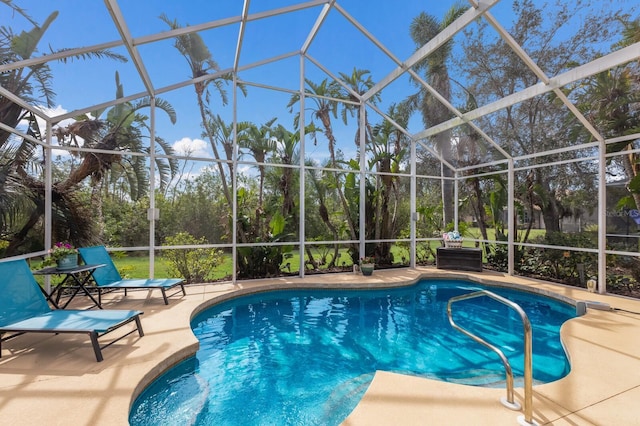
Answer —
528 368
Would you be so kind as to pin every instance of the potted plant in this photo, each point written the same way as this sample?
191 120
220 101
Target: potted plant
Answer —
367 264
64 255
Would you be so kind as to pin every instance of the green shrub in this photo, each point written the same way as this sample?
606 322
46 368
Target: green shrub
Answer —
560 264
498 257
193 264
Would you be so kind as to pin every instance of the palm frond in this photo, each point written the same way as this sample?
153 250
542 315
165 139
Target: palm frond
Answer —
137 177
20 11
165 106
25 44
96 54
44 76
168 150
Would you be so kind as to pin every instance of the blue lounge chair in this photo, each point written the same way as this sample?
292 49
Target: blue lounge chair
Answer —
108 277
23 309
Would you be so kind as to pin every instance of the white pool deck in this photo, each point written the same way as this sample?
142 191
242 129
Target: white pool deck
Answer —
55 379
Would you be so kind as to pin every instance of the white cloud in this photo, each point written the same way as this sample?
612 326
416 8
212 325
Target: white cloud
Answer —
54 112
192 148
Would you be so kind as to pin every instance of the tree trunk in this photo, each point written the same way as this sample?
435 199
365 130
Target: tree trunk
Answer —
551 217
326 122
630 166
479 208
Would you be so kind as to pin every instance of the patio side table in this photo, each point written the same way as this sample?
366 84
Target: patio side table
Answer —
79 277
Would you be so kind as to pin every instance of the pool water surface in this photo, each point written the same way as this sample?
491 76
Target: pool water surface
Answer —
306 357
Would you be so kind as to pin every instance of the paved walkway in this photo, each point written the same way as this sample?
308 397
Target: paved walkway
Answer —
55 380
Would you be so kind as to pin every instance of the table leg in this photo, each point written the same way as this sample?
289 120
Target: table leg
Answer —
49 296
59 288
82 285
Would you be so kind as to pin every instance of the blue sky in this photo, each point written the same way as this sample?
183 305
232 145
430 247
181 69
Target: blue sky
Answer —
338 46
82 23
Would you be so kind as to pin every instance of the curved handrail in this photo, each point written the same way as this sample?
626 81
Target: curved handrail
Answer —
528 369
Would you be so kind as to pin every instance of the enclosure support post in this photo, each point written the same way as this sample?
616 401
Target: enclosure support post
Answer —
511 220
602 218
456 194
152 188
363 165
234 184
413 207
48 218
301 220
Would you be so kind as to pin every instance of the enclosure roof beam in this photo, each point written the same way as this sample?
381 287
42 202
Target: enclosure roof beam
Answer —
601 64
428 87
316 26
335 78
169 88
104 105
540 74
458 113
121 25
19 101
224 22
367 34
268 61
243 26
432 45
31 62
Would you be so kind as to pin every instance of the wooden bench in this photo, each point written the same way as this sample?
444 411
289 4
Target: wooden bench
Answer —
465 259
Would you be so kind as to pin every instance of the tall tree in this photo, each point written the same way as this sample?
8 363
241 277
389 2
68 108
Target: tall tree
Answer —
286 144
389 148
425 27
611 100
359 82
201 63
542 123
259 142
70 218
123 129
320 186
325 107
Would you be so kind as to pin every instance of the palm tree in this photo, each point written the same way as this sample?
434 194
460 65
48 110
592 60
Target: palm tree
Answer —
609 102
23 195
323 110
423 28
612 102
321 188
123 129
360 85
259 142
286 144
389 149
201 63
630 33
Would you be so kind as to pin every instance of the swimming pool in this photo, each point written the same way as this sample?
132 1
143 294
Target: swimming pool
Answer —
307 356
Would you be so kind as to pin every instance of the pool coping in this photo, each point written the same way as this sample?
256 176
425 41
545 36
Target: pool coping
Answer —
59 375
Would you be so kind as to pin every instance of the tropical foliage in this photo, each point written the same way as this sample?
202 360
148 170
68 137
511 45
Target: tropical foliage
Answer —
252 191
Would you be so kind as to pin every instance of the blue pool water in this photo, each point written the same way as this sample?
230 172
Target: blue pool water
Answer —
306 357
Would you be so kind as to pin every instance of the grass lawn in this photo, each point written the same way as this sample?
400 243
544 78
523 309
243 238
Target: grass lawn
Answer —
138 266
491 234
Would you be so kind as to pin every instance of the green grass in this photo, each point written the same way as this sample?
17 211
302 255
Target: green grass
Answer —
138 266
475 233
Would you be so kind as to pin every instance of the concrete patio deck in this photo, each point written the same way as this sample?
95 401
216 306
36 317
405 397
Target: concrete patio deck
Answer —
55 379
